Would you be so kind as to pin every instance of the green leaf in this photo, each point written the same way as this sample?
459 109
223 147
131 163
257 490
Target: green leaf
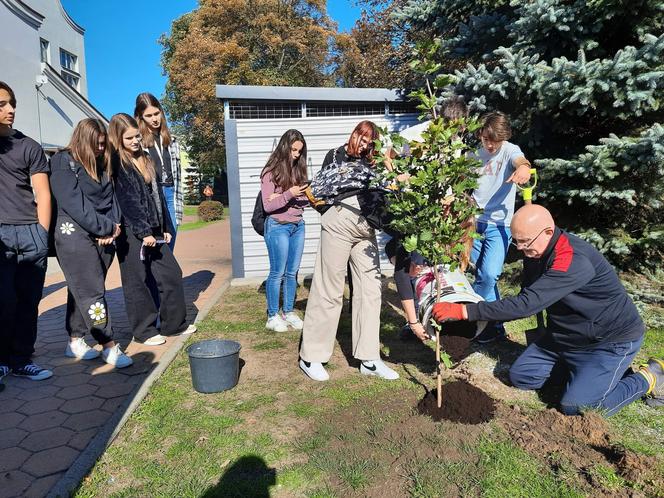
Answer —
445 358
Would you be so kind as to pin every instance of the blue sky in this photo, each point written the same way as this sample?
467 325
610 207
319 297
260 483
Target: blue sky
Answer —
121 45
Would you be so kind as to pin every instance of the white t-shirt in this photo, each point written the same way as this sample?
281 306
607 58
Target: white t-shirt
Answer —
493 195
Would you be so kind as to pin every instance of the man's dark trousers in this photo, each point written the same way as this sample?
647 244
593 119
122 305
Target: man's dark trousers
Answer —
598 377
23 257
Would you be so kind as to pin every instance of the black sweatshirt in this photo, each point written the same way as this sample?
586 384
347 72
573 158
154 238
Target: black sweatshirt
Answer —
89 203
585 302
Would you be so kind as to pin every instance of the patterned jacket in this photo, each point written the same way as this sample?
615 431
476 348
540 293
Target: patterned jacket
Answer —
176 164
176 167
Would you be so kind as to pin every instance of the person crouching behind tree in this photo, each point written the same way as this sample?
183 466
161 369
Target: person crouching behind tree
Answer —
593 330
87 224
347 236
283 182
143 246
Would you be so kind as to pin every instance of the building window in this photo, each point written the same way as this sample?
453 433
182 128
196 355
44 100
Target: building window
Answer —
265 110
68 61
44 51
69 73
71 79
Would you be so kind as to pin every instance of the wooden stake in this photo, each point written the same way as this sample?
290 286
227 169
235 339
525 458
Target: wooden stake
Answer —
439 380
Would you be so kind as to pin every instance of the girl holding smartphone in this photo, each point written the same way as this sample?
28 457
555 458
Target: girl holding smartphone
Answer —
143 246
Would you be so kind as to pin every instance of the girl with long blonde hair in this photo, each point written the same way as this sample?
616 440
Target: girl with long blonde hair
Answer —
87 224
143 250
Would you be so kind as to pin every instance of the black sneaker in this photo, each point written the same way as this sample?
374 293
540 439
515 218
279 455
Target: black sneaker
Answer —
32 372
492 332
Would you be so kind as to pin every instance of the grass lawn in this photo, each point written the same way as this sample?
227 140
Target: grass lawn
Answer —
279 434
192 211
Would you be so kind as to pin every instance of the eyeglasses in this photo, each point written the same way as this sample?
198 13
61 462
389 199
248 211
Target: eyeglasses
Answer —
526 244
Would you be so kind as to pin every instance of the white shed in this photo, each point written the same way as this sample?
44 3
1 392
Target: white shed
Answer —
255 119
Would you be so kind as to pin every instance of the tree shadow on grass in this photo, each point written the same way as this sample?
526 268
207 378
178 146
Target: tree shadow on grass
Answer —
248 477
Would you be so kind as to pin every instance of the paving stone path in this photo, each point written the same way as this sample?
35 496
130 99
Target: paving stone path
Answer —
46 425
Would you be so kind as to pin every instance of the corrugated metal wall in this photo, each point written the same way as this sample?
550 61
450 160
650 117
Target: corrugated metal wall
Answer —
249 144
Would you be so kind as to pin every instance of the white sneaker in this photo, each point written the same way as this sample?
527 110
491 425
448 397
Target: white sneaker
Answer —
276 323
78 348
189 330
114 356
315 371
379 369
293 320
155 340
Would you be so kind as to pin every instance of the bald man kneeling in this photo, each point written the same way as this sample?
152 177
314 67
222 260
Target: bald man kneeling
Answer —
593 330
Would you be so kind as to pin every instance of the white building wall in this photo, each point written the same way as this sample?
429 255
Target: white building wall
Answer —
62 32
255 141
49 114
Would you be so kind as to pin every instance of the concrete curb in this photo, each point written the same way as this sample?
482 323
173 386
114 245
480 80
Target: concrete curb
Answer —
107 433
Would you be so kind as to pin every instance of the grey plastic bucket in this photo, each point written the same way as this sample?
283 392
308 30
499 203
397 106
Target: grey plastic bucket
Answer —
215 365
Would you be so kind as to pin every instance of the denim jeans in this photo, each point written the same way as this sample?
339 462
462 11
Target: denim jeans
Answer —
285 244
23 257
488 255
597 378
169 199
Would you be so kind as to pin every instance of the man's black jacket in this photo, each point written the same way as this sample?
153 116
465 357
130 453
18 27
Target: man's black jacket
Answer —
585 302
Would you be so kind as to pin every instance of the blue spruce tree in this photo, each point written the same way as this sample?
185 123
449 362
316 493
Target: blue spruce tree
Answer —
584 84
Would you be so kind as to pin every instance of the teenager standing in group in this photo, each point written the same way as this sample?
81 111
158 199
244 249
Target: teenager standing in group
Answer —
25 216
87 224
143 246
347 237
283 182
165 153
503 167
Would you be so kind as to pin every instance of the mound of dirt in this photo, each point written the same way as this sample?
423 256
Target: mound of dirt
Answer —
462 403
581 441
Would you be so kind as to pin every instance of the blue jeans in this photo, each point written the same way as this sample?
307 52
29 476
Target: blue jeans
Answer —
285 244
169 198
598 377
488 255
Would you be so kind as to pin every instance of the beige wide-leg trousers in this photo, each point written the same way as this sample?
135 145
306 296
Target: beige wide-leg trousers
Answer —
345 236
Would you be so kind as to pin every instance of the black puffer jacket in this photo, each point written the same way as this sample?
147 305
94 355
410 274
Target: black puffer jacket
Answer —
140 213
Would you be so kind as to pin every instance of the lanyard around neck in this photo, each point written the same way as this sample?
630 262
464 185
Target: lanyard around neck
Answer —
159 149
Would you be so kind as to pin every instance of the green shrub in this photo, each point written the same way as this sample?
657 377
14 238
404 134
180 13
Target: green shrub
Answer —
210 211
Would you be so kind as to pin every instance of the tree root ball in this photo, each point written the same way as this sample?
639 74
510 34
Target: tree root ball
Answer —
462 403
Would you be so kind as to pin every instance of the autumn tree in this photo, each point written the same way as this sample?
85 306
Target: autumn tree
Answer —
377 51
239 42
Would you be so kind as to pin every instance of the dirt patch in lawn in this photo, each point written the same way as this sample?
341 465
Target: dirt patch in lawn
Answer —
584 443
461 402
387 446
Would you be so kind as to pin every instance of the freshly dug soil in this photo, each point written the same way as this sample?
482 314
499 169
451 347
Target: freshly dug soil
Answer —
583 442
457 347
462 403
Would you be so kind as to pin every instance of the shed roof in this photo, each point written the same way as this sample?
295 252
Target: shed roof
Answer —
308 94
